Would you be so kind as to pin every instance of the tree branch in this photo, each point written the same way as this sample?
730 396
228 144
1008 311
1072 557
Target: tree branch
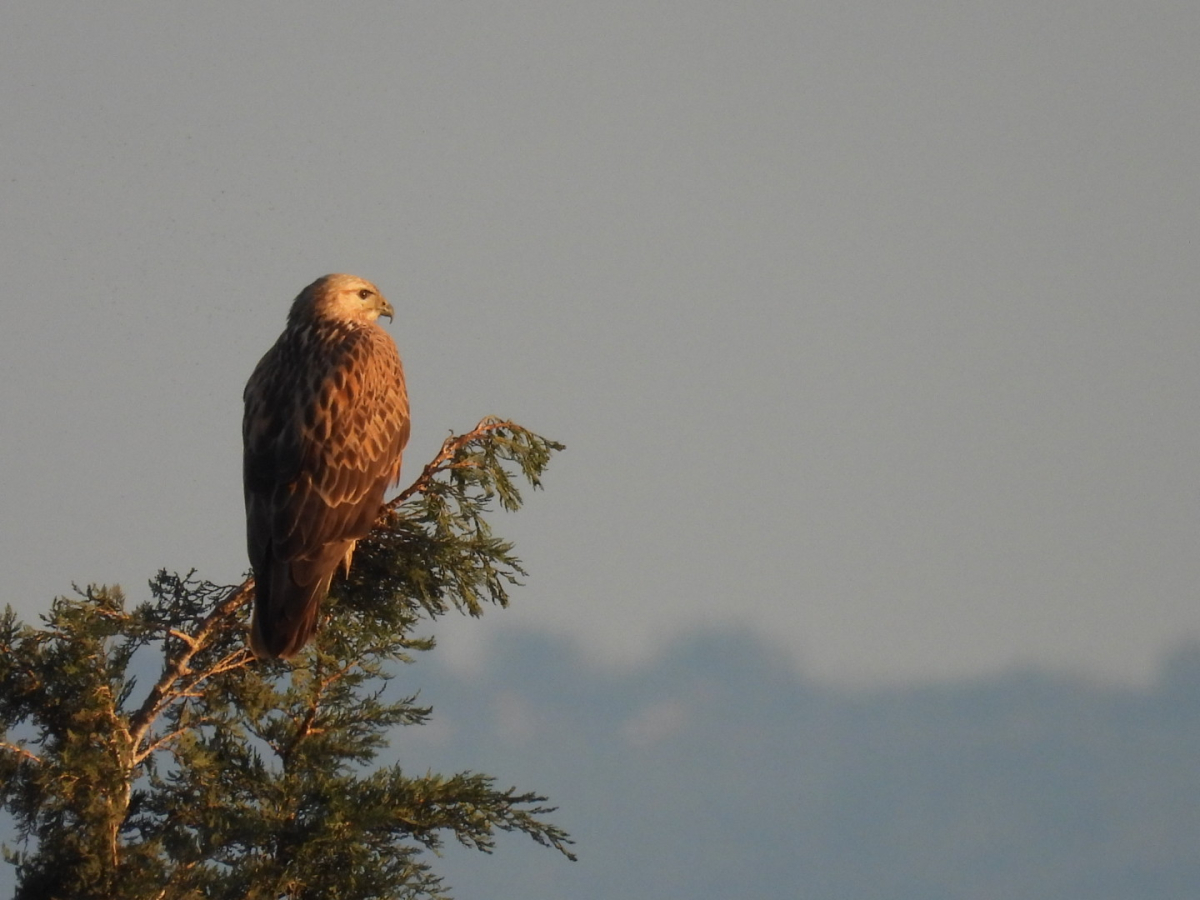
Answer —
163 692
157 700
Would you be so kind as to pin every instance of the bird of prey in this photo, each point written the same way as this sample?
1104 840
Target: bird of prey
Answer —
325 423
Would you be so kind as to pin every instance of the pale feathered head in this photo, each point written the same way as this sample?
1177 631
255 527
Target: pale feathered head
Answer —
341 298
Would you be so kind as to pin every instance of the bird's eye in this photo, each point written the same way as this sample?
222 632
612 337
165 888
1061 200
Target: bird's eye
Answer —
364 293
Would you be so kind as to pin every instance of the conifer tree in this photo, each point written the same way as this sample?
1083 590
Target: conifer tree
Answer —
231 777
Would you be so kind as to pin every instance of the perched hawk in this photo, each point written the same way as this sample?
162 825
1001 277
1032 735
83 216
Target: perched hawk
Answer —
326 420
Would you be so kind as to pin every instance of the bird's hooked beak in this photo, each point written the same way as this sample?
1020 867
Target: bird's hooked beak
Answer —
385 309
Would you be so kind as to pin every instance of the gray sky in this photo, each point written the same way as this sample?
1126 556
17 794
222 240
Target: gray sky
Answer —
871 327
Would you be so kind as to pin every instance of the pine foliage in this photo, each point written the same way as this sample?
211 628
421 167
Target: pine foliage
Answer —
230 777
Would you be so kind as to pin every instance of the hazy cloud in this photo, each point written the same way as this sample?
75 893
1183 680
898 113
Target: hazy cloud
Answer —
655 722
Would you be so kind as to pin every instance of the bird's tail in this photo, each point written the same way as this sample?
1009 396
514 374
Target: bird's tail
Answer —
286 613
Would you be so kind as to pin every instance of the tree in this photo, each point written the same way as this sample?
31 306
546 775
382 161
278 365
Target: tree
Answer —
233 777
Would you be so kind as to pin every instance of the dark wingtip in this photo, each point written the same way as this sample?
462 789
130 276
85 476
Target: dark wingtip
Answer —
259 645
281 629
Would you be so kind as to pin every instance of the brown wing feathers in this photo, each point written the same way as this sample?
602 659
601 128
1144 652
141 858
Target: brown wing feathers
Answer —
325 424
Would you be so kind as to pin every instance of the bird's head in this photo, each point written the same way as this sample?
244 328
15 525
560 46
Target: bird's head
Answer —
342 298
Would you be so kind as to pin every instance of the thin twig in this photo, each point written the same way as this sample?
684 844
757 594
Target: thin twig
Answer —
161 741
450 447
20 751
305 728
